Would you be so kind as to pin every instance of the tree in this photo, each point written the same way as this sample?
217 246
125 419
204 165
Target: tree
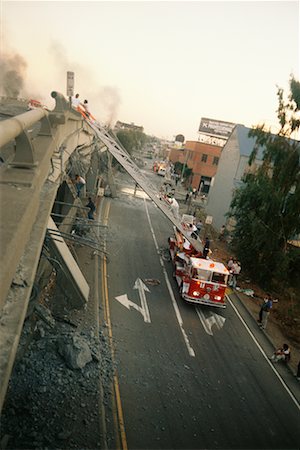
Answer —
126 139
132 140
266 208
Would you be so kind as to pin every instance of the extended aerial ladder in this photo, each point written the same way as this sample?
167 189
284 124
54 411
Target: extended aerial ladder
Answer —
123 157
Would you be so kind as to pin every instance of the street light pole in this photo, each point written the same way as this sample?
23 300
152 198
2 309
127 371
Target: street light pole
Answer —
184 165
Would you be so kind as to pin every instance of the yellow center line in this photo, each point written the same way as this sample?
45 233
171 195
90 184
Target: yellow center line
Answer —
110 335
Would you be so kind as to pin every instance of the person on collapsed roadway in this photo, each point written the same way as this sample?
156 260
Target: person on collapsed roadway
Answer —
86 107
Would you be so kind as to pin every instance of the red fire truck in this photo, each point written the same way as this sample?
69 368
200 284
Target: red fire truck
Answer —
201 281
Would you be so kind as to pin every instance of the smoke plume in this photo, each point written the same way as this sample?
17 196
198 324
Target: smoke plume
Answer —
110 100
12 74
104 101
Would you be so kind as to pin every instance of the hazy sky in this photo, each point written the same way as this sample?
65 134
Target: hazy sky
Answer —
162 65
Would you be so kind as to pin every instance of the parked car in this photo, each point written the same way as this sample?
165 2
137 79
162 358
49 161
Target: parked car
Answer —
162 171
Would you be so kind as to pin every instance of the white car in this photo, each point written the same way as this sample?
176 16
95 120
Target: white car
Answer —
162 172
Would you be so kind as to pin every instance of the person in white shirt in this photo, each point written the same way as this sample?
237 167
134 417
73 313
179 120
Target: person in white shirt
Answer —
235 270
174 207
76 101
79 183
229 263
192 228
282 354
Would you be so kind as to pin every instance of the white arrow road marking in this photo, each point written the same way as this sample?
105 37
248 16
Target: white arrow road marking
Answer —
220 320
143 309
142 288
208 322
124 300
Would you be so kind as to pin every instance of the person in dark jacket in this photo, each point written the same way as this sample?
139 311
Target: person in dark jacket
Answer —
206 248
92 207
265 311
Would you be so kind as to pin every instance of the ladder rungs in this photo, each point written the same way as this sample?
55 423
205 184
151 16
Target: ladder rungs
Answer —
124 159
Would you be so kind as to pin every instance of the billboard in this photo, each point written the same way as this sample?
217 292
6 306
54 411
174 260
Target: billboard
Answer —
217 128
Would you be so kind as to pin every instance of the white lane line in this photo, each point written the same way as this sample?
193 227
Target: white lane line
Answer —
264 355
175 306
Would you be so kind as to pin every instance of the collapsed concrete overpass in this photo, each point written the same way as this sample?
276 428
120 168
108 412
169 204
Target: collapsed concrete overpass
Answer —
36 147
40 150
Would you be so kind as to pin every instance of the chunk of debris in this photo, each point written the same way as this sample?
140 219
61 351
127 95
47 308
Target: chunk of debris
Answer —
151 281
44 314
75 351
65 319
248 292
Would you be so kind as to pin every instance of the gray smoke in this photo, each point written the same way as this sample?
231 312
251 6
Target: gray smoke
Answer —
12 74
110 101
104 101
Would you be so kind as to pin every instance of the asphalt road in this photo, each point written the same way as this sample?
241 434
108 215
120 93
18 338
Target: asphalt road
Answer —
189 378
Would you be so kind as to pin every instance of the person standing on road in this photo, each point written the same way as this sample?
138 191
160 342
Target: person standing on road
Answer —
235 271
265 311
230 262
206 248
188 197
173 204
230 265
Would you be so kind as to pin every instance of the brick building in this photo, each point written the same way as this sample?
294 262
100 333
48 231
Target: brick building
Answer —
202 158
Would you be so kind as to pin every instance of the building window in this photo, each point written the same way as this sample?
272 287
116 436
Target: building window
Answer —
215 161
204 157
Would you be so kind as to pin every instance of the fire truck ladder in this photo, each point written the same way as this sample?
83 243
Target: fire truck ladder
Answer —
121 155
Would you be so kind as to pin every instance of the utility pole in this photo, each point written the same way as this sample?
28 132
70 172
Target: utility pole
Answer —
184 164
110 177
70 86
